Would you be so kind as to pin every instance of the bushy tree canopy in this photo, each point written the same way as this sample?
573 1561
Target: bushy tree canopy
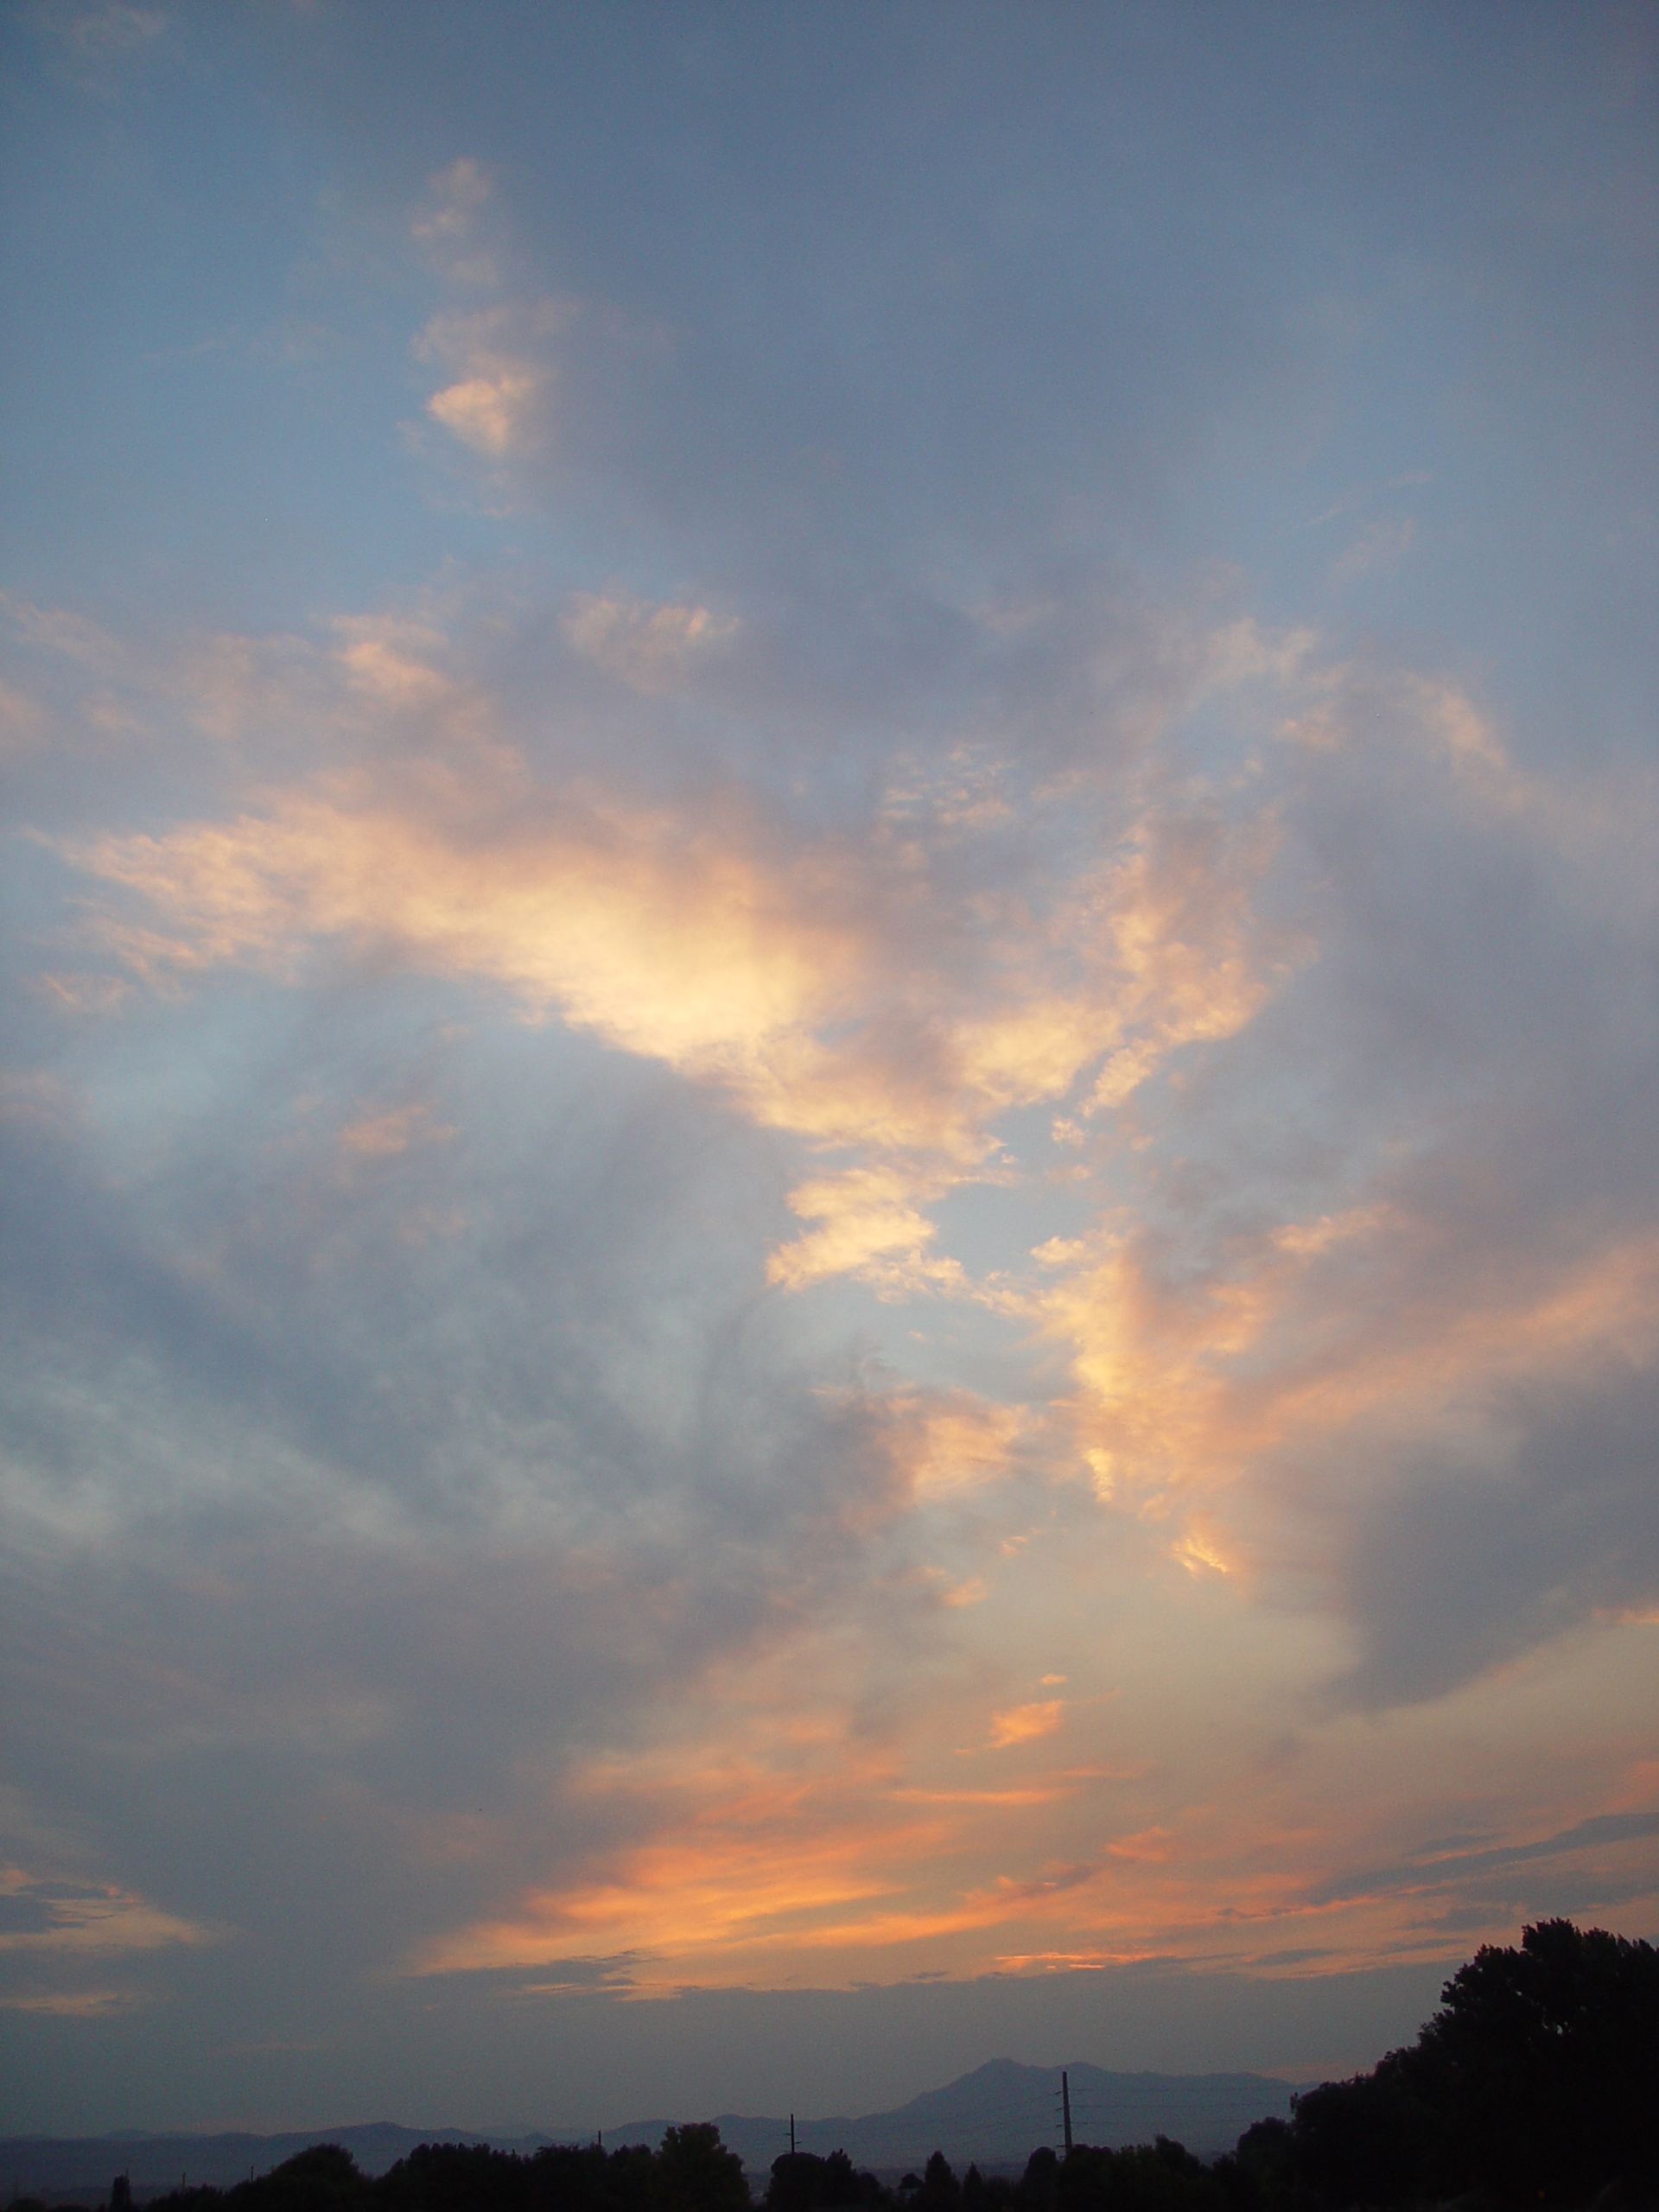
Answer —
1537 2081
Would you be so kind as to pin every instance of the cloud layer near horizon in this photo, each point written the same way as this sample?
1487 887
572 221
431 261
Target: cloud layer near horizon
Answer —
871 1196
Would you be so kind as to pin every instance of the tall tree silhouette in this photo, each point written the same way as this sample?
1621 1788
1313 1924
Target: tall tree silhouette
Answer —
1536 2080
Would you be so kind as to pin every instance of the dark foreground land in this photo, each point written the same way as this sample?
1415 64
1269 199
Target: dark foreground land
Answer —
1536 2085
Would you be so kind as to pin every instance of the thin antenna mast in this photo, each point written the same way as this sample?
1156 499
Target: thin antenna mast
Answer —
791 2135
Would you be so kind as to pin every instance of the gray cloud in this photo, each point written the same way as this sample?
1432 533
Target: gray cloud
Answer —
1454 1568
1440 1868
350 1491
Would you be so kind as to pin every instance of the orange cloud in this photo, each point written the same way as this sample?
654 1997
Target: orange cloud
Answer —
77 1917
499 405
1023 1724
1185 1386
759 1851
768 972
383 1136
873 1225
659 943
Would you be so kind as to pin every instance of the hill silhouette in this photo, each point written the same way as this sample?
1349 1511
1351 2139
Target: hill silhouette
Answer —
993 2114
996 2114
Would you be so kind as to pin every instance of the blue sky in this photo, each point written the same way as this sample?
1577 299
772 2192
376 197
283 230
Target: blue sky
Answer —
830 1032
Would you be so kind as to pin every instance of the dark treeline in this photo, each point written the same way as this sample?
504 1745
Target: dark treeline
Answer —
1535 2084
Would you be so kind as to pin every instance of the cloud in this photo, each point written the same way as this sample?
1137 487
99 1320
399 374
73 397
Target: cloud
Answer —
1025 1724
745 951
532 382
115 27
449 226
392 663
775 1153
140 699
1460 1565
22 721
382 1136
103 36
647 647
888 999
43 1914
60 630
734 965
492 410
339 1623
872 1226
1380 548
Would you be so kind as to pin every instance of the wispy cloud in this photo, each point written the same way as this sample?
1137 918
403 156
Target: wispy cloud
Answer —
647 647
44 1914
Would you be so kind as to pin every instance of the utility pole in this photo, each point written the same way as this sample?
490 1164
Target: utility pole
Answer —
1065 2107
791 2135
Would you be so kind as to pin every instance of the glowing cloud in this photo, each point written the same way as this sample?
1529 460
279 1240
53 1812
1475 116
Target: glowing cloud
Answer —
1023 1724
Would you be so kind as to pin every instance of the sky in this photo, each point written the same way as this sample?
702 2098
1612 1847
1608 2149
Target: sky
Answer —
830 1002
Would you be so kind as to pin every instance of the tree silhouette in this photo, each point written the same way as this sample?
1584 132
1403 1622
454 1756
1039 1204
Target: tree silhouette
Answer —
696 2173
1535 2081
1545 2062
801 2182
940 2190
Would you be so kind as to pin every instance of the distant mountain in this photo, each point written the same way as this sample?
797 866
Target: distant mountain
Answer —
996 2115
45 2165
